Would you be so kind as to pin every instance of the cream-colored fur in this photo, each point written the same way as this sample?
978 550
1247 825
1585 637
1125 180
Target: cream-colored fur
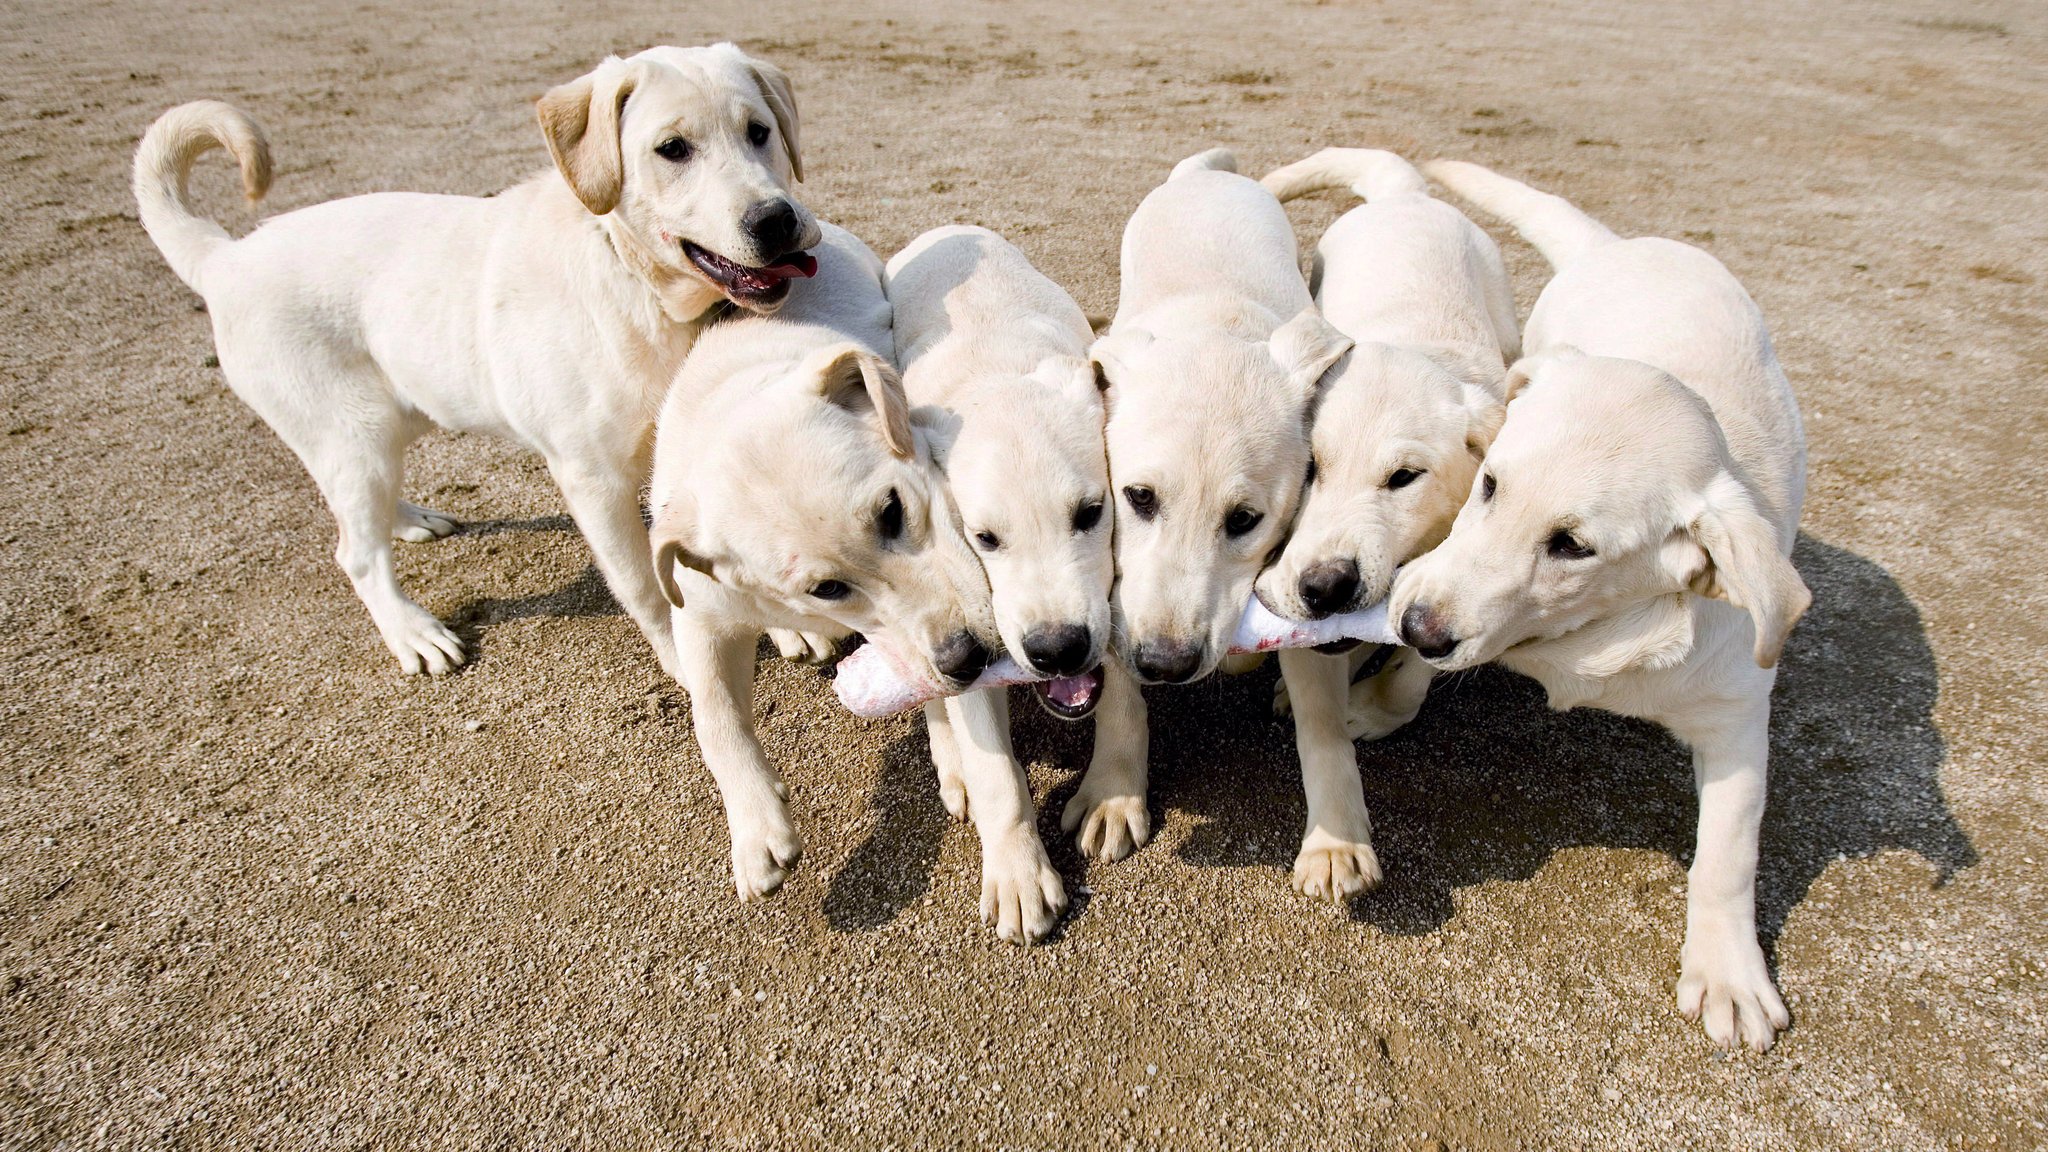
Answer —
998 353
553 314
1212 364
1628 543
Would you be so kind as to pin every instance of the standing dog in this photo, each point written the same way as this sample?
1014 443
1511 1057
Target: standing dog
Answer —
1628 543
553 314
1002 351
1398 435
1211 368
793 490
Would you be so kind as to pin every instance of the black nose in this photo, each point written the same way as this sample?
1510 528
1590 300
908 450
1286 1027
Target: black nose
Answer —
1329 587
960 658
1167 661
1058 649
1426 632
773 225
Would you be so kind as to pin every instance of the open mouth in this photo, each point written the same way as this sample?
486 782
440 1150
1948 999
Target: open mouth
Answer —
766 285
1070 697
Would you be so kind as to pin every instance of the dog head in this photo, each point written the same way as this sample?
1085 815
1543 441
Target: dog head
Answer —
1395 446
691 152
1027 470
1609 486
814 499
1208 444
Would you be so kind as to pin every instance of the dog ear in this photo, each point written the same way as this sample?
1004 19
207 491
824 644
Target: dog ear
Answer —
1484 416
671 536
1305 348
851 377
581 120
1523 371
1077 379
1110 354
780 97
1738 561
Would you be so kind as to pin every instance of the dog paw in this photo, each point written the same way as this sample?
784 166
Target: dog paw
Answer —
424 645
1724 984
953 794
1283 704
1365 720
417 525
803 647
1107 828
1021 894
763 854
1335 869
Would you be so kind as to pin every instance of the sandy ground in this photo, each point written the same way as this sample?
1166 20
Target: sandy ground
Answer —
259 890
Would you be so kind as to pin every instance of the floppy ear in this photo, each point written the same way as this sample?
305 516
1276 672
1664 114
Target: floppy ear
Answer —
1484 416
1078 380
1524 370
1110 354
851 377
1745 568
675 527
581 122
781 100
1305 347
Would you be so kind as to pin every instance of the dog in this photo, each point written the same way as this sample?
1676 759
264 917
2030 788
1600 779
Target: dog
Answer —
1628 543
1398 434
793 489
1210 368
1001 352
553 314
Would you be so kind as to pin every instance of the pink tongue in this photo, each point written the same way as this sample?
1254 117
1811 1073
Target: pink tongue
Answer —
799 264
1070 691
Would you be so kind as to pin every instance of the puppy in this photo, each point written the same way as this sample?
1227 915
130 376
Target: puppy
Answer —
1001 351
1211 368
1628 543
792 489
553 314
1398 434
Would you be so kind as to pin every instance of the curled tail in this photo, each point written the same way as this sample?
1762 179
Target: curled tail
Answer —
1370 173
1557 229
177 139
1214 160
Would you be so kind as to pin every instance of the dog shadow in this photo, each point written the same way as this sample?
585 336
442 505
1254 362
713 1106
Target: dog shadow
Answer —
892 868
1488 783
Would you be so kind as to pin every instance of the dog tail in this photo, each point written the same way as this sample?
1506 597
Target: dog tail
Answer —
1371 173
1214 160
1557 229
177 139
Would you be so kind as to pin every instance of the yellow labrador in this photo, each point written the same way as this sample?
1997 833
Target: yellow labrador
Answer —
1398 435
553 314
1628 543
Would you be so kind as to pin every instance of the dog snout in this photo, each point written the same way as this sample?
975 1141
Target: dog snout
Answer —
1167 661
773 224
1059 649
960 658
1425 630
1329 587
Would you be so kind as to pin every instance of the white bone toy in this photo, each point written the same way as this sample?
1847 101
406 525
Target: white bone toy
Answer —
872 683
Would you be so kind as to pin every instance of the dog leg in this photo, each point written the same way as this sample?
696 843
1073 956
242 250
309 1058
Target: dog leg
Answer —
1336 860
1108 814
1388 699
938 729
1021 894
717 660
417 525
804 647
1723 981
360 481
605 503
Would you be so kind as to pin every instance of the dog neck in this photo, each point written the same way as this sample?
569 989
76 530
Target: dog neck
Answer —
1574 668
683 298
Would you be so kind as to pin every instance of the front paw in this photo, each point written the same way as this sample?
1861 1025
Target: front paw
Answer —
1724 984
1111 823
1335 868
764 849
1021 895
1366 720
803 647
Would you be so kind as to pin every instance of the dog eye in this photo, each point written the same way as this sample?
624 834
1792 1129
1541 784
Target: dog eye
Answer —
890 519
1403 477
831 589
1486 487
1241 520
1142 500
1087 516
674 148
757 133
988 541
1565 546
